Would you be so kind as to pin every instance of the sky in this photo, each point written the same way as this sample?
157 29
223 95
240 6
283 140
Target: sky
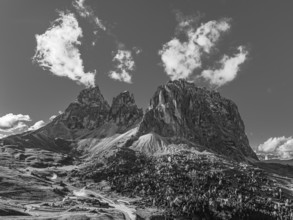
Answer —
50 50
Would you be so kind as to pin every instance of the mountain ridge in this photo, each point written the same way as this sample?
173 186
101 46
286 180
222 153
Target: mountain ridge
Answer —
179 113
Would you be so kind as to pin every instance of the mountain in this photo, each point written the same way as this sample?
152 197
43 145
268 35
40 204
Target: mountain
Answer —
186 156
181 110
180 116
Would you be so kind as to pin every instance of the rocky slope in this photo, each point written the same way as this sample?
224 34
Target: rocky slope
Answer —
180 115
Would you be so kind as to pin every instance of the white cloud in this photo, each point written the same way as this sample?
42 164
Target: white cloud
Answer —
87 12
57 50
13 124
52 117
124 66
281 146
3 136
181 59
272 143
37 125
186 22
207 35
18 128
228 71
137 50
11 121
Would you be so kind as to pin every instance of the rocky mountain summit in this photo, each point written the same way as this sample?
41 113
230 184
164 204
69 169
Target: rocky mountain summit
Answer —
180 114
180 109
89 111
124 111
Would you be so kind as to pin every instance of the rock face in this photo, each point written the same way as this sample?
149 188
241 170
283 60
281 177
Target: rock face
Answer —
124 111
89 111
180 109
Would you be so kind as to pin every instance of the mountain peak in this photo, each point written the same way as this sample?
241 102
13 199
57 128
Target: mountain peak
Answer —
123 98
90 110
181 109
91 96
124 110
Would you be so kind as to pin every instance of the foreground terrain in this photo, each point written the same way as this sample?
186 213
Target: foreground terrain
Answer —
131 185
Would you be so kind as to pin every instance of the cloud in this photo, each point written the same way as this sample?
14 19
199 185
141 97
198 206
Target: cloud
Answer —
10 122
182 58
186 23
87 12
18 128
37 125
186 55
124 66
281 146
3 136
208 34
137 50
57 50
229 67
52 117
13 124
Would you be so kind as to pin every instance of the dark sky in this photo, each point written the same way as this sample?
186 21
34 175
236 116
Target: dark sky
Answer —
262 89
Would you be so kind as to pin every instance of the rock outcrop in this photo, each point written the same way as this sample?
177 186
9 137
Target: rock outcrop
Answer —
180 109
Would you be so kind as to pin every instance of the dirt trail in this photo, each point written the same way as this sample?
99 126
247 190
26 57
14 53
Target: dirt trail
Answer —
128 212
119 205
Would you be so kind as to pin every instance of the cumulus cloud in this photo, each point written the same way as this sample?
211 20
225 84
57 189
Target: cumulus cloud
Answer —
208 34
57 50
18 128
13 124
183 57
124 66
37 125
137 50
3 136
52 117
10 122
281 146
186 23
87 12
180 59
229 67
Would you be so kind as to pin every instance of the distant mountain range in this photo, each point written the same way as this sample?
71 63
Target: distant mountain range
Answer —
180 116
